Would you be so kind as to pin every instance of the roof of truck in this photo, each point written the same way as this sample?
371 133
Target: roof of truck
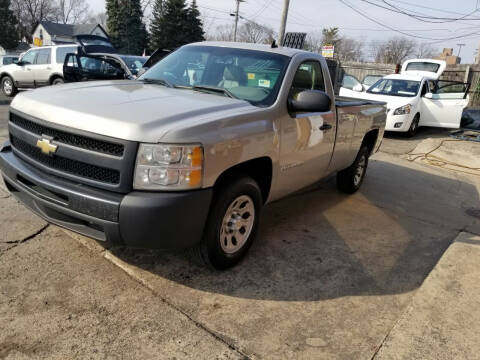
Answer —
250 46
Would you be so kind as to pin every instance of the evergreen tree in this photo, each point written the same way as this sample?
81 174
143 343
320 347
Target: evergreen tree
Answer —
8 28
174 24
125 26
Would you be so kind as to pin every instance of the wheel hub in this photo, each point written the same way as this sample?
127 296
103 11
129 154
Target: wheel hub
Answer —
237 224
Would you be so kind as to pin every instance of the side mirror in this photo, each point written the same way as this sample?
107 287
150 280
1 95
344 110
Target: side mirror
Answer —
358 88
428 95
310 101
20 63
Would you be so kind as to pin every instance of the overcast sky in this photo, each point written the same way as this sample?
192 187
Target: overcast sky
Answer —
313 15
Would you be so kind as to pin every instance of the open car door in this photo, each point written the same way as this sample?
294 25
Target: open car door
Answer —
94 44
78 67
157 55
443 105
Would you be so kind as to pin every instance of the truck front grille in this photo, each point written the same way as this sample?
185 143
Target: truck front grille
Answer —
68 138
83 157
70 166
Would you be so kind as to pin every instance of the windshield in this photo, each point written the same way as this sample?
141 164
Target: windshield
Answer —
254 76
134 63
395 87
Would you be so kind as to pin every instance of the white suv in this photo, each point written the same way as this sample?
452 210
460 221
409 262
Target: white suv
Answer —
37 67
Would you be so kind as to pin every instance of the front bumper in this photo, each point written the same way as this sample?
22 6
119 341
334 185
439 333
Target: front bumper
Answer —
159 220
406 121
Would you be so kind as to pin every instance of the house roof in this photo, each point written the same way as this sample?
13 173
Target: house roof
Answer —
68 29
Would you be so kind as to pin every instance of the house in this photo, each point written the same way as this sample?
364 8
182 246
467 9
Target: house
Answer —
49 33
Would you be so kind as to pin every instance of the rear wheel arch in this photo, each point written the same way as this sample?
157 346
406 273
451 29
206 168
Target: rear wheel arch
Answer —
259 169
54 77
370 139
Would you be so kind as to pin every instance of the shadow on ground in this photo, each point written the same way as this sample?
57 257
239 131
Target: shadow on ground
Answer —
321 244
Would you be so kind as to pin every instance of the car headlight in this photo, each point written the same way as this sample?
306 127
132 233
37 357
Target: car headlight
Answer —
403 110
168 167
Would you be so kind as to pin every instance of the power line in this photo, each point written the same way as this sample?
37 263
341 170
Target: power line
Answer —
403 32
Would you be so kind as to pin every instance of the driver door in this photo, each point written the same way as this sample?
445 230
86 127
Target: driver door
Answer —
443 105
307 139
23 74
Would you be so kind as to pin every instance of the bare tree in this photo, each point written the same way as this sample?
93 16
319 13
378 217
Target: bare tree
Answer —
100 18
221 33
348 49
314 42
425 51
252 32
30 12
72 11
395 50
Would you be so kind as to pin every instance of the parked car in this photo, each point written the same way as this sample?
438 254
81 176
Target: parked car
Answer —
37 67
8 59
101 66
187 155
349 82
416 97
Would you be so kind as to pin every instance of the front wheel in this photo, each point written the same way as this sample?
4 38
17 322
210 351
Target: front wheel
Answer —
232 224
350 179
412 131
8 86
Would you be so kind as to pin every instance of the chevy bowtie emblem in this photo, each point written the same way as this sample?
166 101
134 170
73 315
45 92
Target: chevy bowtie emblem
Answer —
46 146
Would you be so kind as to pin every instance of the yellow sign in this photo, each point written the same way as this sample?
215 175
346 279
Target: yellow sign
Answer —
37 41
251 76
328 51
46 147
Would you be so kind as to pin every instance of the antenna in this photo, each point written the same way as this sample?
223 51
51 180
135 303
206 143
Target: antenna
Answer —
460 48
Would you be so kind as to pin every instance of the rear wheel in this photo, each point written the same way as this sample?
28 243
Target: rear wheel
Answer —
350 179
57 81
232 224
413 126
8 86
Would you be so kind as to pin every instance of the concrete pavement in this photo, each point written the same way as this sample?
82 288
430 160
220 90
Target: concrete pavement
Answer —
328 277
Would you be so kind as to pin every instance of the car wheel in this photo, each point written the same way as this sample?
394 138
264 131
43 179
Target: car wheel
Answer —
8 86
57 81
413 126
232 224
350 179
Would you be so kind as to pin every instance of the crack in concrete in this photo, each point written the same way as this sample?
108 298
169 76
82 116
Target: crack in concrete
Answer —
107 255
29 237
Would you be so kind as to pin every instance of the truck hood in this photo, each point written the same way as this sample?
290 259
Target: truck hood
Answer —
129 110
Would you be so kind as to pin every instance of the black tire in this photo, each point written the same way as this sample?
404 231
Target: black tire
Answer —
8 86
412 131
349 180
57 81
211 251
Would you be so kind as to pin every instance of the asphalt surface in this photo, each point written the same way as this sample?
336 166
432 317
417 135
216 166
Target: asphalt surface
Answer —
328 277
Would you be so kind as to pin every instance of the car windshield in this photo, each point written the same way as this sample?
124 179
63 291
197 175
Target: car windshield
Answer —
395 87
134 63
251 75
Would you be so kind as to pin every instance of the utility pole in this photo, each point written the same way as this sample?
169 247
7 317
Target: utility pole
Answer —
460 48
236 19
283 23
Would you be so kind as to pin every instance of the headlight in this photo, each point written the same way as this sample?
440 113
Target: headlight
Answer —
403 110
168 167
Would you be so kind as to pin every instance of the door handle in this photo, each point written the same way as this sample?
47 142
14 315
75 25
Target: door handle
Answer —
325 127
49 68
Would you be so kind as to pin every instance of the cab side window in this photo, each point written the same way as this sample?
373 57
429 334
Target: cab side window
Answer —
43 56
309 76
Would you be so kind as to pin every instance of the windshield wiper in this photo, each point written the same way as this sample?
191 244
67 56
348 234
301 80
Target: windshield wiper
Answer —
214 89
157 81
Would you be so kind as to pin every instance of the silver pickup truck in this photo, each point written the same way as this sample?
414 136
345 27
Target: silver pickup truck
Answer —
187 155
